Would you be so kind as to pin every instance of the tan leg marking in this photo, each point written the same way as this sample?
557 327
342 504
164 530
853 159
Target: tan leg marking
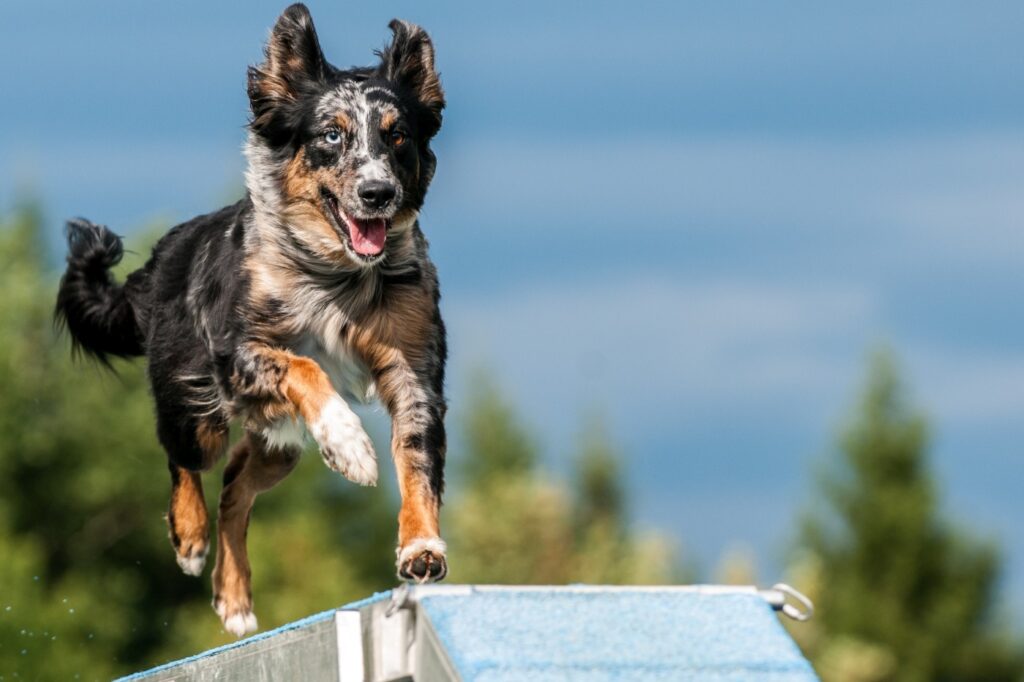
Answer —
187 517
306 386
421 553
188 520
338 431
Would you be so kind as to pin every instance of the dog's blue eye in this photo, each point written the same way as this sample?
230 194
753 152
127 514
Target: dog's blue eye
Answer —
332 137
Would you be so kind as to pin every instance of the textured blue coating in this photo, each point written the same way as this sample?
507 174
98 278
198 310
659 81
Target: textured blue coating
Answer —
308 620
536 634
506 635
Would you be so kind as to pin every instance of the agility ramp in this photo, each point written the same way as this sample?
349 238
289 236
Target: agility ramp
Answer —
506 634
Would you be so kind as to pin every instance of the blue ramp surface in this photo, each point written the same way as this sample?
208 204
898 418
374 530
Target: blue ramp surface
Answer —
489 633
505 634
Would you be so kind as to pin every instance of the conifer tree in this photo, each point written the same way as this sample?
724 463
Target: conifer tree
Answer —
902 595
600 494
497 445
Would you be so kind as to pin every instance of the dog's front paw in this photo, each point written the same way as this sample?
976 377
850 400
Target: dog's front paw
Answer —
423 560
238 619
344 444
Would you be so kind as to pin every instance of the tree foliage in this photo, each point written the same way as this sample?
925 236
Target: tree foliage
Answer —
901 594
514 523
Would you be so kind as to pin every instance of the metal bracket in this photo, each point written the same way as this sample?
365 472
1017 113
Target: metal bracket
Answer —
789 601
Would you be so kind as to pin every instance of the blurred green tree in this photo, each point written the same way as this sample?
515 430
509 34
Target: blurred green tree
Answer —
511 523
497 445
900 594
600 492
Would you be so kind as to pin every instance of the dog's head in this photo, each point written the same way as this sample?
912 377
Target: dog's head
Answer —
347 152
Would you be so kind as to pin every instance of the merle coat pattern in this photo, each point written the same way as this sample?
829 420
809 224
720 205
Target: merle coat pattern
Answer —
315 286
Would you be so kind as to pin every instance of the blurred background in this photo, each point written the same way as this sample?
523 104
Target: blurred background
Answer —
733 293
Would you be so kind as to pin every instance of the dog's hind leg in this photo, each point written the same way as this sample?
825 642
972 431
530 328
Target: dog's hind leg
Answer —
192 447
253 467
188 520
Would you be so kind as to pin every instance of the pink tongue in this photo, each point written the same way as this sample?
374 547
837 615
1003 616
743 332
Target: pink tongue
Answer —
368 235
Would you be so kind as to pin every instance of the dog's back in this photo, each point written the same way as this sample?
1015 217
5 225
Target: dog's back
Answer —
107 319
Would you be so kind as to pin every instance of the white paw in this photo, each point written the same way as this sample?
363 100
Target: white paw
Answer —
192 565
238 623
344 444
241 623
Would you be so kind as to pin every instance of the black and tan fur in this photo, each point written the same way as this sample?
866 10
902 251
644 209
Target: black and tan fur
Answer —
316 285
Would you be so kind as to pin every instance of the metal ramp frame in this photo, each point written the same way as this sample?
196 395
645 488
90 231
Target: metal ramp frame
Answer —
506 633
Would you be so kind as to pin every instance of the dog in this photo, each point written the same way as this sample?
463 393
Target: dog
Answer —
315 286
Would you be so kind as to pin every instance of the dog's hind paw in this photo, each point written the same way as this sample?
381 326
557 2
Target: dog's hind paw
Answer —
192 565
344 444
241 623
423 560
238 622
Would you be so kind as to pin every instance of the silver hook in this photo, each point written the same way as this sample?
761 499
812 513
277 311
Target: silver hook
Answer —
801 611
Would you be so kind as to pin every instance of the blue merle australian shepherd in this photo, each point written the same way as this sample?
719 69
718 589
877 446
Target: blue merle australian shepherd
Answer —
316 285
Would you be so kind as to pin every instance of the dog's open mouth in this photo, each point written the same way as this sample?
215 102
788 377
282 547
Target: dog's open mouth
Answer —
365 236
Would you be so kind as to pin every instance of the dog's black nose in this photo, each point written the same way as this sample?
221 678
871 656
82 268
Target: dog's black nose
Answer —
376 193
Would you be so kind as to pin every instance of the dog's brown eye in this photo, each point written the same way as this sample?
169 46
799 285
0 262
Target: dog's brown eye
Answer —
397 138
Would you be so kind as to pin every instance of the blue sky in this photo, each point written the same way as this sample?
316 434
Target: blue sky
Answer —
695 217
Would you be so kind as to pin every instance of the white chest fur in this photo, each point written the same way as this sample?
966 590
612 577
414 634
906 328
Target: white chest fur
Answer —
348 373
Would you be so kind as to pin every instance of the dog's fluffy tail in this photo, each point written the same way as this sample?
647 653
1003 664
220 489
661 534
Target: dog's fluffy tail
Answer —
95 309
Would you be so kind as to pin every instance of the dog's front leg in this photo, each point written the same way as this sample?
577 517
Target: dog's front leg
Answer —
286 385
418 445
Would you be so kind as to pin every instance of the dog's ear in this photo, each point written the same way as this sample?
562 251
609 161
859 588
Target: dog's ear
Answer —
294 62
409 62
